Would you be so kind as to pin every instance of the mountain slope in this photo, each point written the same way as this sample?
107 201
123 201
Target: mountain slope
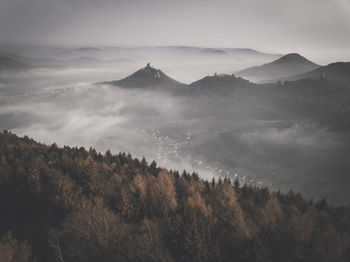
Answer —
85 206
335 72
147 77
288 65
7 63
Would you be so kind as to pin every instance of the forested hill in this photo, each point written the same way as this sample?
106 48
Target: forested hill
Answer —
72 204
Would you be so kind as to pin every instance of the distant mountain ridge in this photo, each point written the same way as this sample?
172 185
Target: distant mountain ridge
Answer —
149 77
210 51
82 61
213 51
288 65
89 48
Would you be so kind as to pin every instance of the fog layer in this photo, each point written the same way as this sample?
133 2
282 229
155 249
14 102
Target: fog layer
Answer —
258 139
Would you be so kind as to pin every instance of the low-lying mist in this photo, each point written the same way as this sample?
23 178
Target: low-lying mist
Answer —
216 137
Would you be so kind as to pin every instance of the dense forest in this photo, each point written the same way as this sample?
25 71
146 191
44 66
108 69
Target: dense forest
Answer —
72 204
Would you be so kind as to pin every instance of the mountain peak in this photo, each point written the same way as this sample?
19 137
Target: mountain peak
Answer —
285 66
293 58
146 77
149 71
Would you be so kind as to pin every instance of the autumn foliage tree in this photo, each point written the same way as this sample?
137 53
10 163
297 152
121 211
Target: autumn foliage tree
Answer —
72 204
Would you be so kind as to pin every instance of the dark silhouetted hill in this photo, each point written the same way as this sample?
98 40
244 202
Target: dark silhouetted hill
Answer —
147 77
219 83
335 72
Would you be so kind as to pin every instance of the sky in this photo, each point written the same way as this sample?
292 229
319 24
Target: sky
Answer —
267 25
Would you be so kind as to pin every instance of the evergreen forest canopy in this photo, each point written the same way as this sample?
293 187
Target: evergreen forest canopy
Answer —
72 204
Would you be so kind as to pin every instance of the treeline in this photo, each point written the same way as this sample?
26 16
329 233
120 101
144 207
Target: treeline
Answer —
72 204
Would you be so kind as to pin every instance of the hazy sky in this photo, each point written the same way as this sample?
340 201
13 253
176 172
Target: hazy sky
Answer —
267 25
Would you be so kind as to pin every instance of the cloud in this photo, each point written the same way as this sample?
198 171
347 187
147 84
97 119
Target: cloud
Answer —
279 26
303 135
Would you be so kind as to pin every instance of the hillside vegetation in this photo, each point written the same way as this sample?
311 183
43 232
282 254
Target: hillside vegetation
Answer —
72 204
